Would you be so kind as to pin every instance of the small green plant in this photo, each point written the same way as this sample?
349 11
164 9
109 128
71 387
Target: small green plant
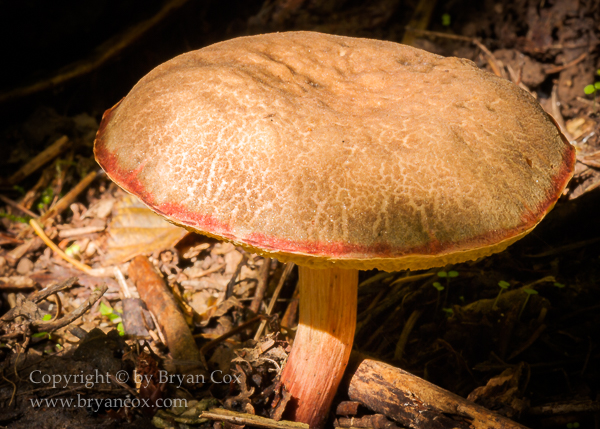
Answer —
593 89
446 20
14 218
572 425
19 189
73 250
529 292
45 199
114 317
46 318
449 312
503 286
559 285
447 275
438 286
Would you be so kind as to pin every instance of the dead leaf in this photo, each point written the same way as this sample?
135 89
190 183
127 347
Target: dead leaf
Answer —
135 230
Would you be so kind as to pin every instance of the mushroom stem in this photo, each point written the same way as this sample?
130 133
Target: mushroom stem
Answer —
323 342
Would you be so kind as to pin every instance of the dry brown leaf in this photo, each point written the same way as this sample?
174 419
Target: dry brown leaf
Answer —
135 230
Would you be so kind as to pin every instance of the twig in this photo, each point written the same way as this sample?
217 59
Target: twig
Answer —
51 290
261 287
529 342
412 278
288 269
103 53
18 206
571 407
229 334
249 419
556 69
42 158
492 61
68 199
122 283
438 34
58 303
42 326
238 270
14 389
408 327
17 282
40 232
556 112
420 19
85 230
40 295
565 248
122 385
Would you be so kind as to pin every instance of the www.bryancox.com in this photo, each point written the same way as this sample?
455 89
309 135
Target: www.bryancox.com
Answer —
96 404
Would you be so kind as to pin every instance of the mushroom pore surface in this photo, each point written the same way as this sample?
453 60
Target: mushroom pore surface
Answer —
325 150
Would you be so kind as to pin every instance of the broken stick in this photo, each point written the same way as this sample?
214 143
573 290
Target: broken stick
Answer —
161 302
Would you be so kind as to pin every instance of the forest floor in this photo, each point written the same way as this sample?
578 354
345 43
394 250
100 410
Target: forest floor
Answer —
536 347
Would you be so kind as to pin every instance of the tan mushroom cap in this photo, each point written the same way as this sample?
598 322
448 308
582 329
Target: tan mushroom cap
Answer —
325 150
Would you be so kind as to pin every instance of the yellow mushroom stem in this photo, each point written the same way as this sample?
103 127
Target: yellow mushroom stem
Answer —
323 342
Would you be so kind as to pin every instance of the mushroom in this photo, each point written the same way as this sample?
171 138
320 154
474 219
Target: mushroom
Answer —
339 154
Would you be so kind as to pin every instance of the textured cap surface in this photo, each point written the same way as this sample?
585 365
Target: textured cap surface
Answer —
325 149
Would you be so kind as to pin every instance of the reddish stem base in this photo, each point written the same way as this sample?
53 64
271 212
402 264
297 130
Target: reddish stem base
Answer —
323 342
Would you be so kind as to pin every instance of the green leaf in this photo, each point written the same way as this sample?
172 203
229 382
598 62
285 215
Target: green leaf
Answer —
597 85
438 286
589 89
559 285
105 310
121 329
448 311
41 335
503 284
46 317
530 291
442 274
453 274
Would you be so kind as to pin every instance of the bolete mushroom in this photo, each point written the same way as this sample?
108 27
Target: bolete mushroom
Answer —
338 154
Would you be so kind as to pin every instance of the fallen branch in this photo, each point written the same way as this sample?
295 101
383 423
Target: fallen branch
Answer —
414 402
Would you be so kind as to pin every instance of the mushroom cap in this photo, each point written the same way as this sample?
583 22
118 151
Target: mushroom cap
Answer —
323 150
